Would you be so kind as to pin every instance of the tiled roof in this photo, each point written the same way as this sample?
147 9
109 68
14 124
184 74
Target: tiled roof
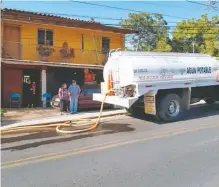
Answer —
47 14
91 24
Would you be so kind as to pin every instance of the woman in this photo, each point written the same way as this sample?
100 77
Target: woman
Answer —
64 98
34 94
28 94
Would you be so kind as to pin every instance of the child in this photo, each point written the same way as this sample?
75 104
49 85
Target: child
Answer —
64 98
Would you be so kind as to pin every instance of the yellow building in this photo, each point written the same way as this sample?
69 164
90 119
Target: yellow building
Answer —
33 44
24 32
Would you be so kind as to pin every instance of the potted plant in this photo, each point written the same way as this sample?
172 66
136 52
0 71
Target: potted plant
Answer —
66 52
45 51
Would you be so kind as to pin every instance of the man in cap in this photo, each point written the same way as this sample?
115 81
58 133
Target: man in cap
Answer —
74 92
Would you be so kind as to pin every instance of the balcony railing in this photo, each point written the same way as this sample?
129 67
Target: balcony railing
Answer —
28 51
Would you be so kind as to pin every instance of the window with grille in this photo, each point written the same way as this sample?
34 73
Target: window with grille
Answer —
105 45
45 37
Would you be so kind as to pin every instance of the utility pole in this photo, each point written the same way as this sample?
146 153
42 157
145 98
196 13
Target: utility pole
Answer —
193 47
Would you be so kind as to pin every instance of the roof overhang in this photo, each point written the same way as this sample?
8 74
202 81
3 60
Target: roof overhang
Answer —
40 18
50 64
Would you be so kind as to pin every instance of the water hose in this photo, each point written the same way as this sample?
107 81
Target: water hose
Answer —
93 125
59 128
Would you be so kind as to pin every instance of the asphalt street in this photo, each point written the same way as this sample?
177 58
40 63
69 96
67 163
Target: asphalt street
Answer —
124 151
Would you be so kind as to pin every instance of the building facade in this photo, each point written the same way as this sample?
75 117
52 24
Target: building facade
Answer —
50 50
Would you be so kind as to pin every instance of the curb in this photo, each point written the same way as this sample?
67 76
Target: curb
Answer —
60 121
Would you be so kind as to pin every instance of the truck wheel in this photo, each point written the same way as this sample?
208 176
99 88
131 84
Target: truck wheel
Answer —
170 108
209 101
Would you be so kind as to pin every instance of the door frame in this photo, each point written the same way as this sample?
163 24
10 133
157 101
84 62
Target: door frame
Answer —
19 28
39 84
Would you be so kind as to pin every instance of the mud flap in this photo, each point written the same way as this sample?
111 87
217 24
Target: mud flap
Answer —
150 102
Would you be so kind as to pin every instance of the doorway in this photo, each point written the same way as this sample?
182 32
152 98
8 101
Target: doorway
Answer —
57 76
34 76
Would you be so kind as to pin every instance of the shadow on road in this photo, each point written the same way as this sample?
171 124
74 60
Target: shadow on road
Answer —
196 112
7 122
106 128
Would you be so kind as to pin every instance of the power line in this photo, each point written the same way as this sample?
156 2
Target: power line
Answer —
55 14
125 9
171 26
83 16
86 16
182 29
202 4
94 17
157 26
156 4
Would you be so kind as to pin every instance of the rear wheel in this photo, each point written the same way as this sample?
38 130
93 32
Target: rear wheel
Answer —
209 101
170 108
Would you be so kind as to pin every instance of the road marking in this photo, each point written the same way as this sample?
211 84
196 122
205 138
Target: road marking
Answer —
54 156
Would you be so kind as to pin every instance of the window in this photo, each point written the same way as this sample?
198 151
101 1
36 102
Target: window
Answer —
105 45
45 36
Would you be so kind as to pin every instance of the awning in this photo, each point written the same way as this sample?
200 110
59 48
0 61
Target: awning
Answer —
51 64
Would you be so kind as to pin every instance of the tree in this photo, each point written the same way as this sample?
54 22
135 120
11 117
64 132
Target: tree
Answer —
201 35
152 32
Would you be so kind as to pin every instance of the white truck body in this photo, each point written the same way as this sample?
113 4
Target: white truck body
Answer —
150 72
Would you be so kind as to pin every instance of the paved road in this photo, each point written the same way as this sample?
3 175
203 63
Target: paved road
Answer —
125 151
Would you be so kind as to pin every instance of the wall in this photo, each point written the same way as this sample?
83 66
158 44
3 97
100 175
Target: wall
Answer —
92 42
11 84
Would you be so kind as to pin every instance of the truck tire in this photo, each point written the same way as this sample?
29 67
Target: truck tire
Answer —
170 108
210 101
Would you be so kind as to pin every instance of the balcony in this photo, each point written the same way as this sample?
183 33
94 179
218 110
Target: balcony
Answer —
30 51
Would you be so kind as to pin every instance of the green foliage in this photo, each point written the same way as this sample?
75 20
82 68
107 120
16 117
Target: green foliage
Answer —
163 46
151 32
3 111
204 33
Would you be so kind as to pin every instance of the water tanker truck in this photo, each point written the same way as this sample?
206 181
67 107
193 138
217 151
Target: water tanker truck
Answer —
160 84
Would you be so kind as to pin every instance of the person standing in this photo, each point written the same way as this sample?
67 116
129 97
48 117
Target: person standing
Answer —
64 98
74 92
34 94
29 94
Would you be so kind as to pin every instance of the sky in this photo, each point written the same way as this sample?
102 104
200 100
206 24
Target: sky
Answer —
172 8
175 11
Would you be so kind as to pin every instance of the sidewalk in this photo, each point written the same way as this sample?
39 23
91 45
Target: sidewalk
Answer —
17 117
24 117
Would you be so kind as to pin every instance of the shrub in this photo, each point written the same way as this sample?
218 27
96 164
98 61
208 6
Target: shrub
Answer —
3 111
